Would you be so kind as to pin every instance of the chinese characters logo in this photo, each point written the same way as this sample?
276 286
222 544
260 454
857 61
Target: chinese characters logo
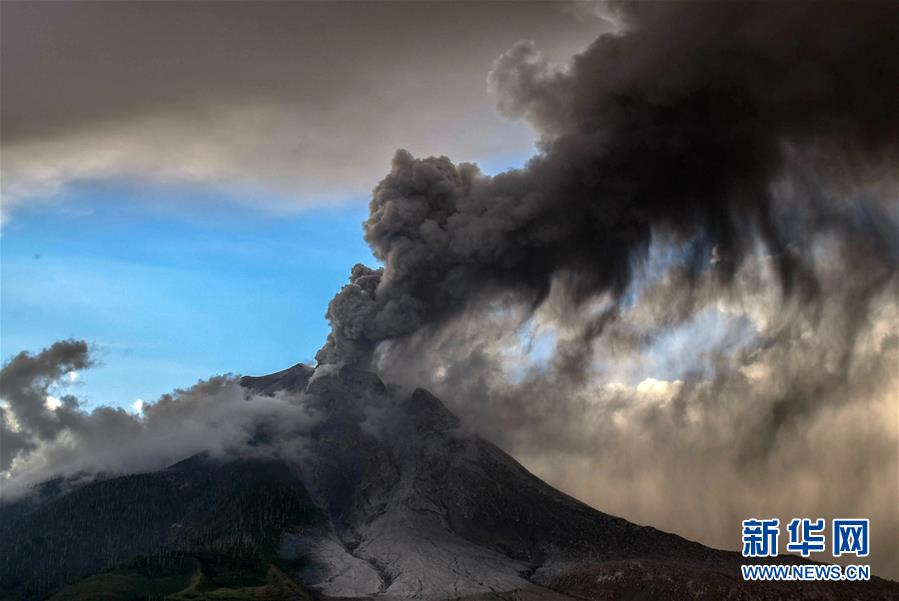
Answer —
806 537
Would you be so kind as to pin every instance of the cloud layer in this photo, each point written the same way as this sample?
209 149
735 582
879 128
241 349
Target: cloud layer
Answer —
289 104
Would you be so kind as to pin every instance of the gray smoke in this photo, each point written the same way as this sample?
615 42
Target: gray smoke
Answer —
715 198
755 406
678 127
39 440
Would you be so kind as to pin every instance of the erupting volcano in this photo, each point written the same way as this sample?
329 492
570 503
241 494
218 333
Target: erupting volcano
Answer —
390 498
688 293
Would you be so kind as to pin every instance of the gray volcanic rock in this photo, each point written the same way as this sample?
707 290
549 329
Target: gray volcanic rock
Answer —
293 379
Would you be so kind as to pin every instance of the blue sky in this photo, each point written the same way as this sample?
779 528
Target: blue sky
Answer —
172 284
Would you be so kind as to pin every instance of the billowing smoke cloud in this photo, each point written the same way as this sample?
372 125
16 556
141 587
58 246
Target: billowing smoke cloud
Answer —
40 439
683 309
25 384
680 127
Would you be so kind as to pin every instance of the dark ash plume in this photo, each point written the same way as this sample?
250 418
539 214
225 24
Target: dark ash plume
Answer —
679 127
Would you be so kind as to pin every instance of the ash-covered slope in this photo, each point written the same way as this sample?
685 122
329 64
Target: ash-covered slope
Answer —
419 508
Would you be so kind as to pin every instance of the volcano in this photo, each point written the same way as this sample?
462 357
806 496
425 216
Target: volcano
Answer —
391 497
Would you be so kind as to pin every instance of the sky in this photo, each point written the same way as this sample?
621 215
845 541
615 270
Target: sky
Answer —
165 297
184 185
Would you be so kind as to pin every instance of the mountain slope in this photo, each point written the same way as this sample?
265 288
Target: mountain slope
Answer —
230 512
420 509
389 498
